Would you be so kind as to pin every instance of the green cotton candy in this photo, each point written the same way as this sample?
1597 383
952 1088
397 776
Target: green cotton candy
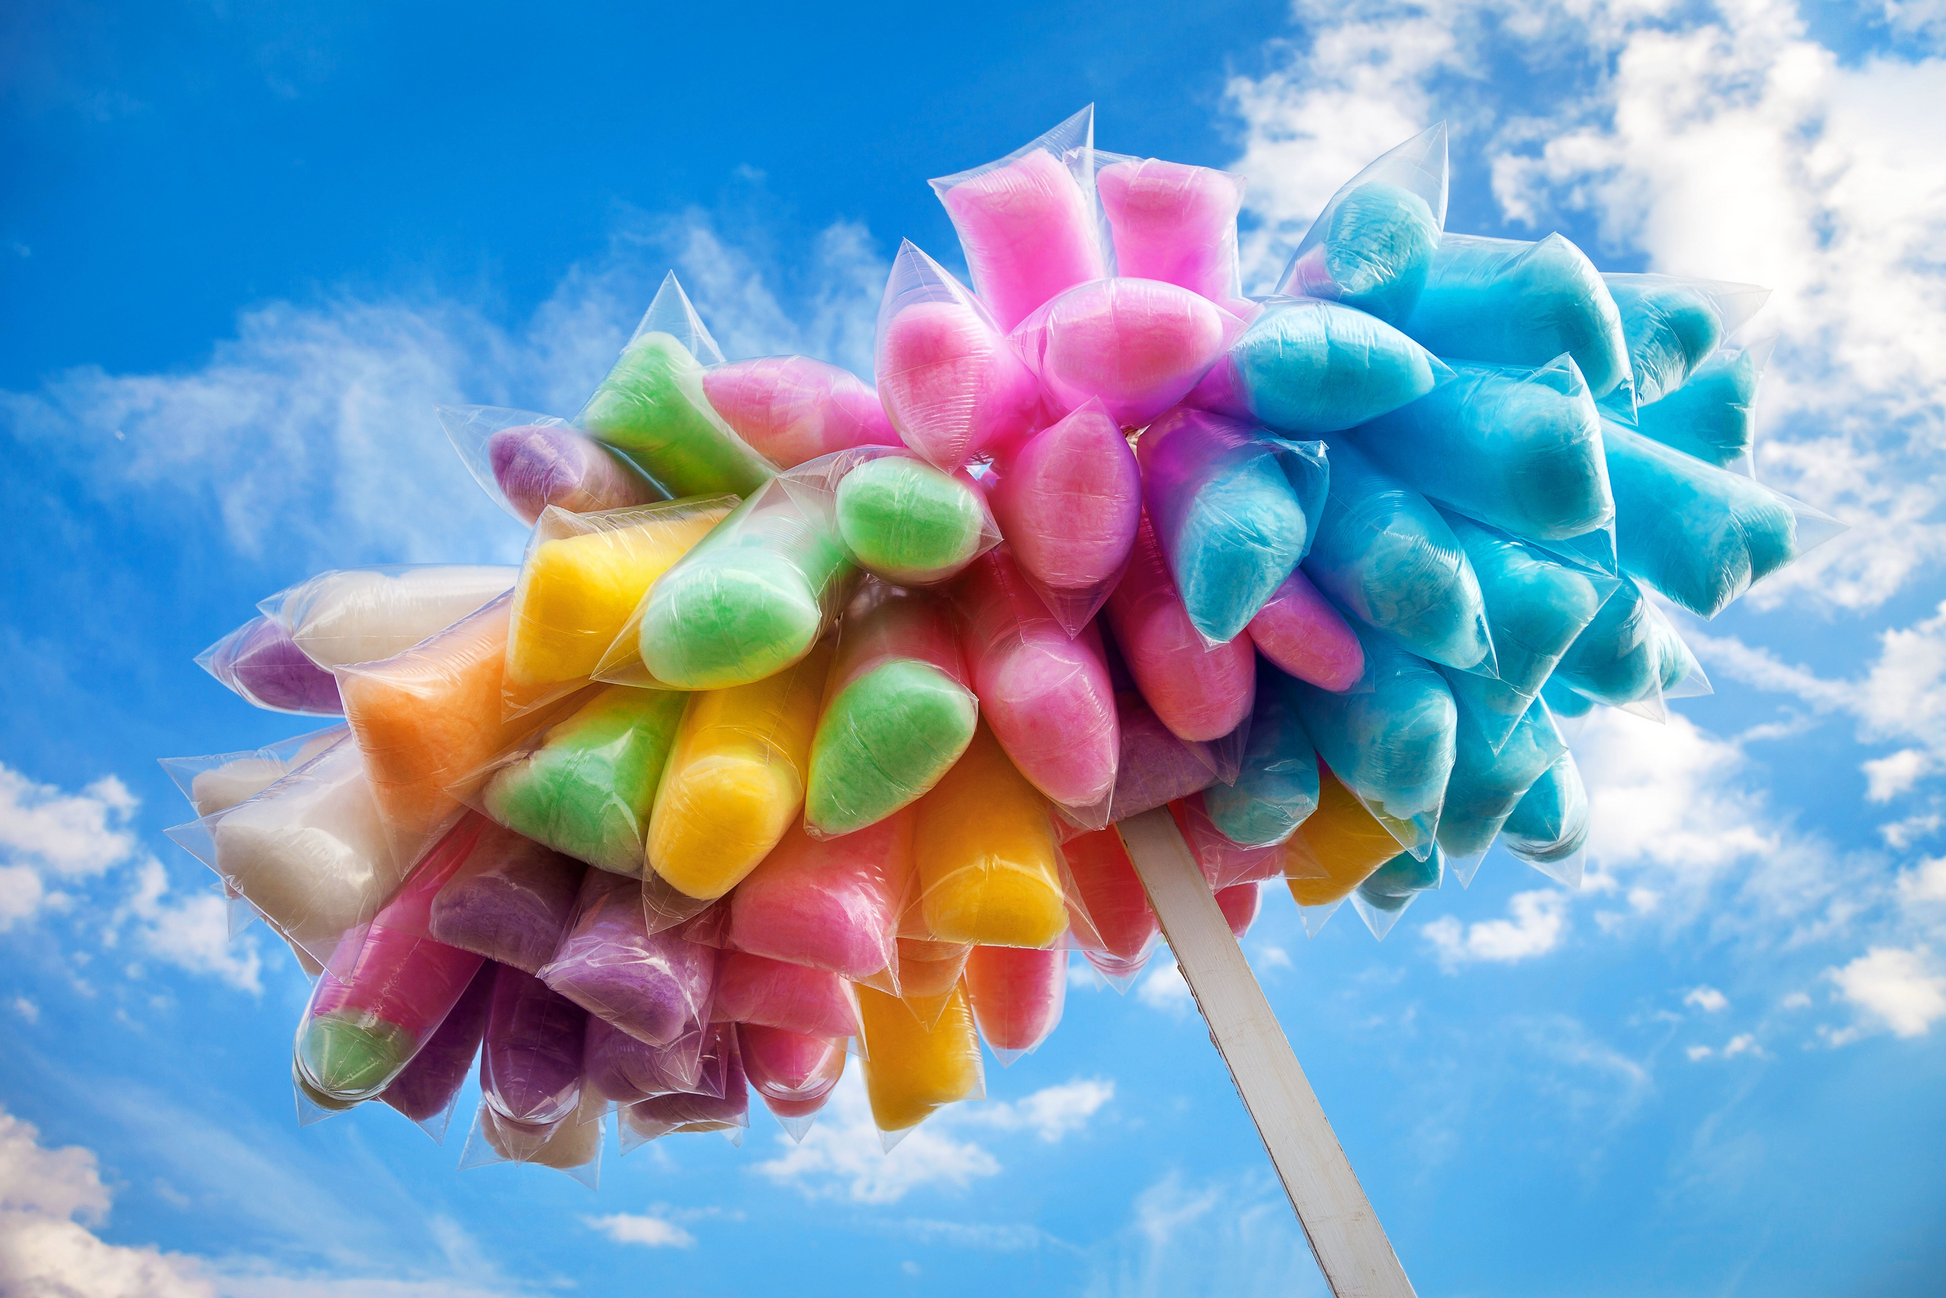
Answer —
1712 416
588 789
652 408
883 741
750 599
352 1053
907 521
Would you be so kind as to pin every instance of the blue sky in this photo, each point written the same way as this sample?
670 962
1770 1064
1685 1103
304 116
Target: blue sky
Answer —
244 250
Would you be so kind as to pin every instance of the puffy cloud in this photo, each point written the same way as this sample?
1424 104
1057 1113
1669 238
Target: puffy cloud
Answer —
1902 989
647 1231
1538 922
1707 999
1050 1113
1164 988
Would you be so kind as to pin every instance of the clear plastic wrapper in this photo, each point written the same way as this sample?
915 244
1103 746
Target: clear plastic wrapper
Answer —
1388 890
386 991
362 615
653 986
1173 222
912 1069
1277 787
1383 553
1487 784
693 1111
1699 534
652 406
571 1145
1391 741
1224 861
429 720
1302 635
1136 345
1121 931
1372 246
1016 995
897 711
1336 848
1201 692
1234 510
1157 766
952 384
623 1069
790 409
531 1060
1306 367
1509 302
586 785
428 1087
906 521
929 973
1712 416
527 462
220 781
831 904
1029 223
1549 826
778 994
1520 449
309 853
985 856
511 900
1046 697
1068 500
735 782
1630 657
262 665
1673 324
583 576
1240 903
1536 607
792 1072
747 601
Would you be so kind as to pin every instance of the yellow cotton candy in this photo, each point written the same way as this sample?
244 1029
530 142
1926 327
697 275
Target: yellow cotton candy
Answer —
983 842
1340 838
910 1071
577 590
735 780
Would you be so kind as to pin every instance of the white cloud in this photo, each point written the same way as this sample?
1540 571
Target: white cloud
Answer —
1222 1238
1164 988
634 1228
1903 989
1696 1053
1887 777
1926 882
1539 921
27 1009
1742 1044
989 1237
1050 1113
841 1157
49 838
1795 1001
1707 999
192 933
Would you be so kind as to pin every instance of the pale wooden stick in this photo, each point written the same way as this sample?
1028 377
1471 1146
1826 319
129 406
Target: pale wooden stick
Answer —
1344 1232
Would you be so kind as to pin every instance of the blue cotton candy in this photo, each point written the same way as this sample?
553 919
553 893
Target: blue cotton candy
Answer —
1233 510
1317 367
1564 701
1383 553
1699 534
1518 448
1277 786
1390 739
1617 658
1551 820
1391 888
1516 303
1670 325
1713 415
1487 785
1536 606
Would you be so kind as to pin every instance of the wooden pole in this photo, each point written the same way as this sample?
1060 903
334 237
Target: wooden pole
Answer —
1343 1231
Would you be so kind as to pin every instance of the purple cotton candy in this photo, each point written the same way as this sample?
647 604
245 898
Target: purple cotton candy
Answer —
262 664
436 1073
530 1068
651 986
625 1070
688 1111
1156 767
511 901
538 465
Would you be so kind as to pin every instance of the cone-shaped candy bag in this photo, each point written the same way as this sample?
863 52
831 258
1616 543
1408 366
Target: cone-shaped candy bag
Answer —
511 900
778 994
832 904
1157 766
1302 635
1121 931
793 1072
1487 785
653 986
1277 787
1672 324
530 1065
1372 246
908 522
1629 654
1336 848
1173 222
428 1086
1016 995
528 462
695 1111
1713 415
790 409
262 664
362 615
1385 894
220 781
1550 824
912 1070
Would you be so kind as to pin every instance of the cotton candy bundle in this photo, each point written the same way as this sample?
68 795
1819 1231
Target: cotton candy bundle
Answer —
799 729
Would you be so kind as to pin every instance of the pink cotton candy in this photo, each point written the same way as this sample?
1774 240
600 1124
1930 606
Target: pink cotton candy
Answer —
1200 693
754 989
1017 994
1139 345
792 1071
791 408
1240 904
828 904
951 384
1069 500
1028 231
1305 637
1046 697
1174 223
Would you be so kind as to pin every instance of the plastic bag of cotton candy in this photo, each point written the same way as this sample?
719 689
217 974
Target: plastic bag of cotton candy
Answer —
796 734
